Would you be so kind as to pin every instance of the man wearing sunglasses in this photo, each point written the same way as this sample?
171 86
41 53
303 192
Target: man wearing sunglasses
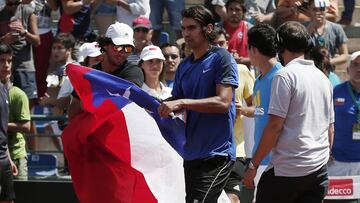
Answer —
117 45
142 37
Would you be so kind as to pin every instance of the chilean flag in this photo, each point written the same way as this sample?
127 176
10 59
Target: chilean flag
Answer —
115 150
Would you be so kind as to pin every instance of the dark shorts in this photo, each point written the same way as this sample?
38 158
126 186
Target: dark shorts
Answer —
305 189
235 185
26 81
6 181
206 178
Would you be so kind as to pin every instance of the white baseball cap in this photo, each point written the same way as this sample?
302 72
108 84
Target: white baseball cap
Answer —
354 55
89 50
151 52
120 34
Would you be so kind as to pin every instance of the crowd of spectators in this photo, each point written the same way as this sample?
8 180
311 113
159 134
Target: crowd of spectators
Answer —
126 42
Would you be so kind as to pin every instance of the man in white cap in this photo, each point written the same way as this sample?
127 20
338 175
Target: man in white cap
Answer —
90 54
117 45
346 147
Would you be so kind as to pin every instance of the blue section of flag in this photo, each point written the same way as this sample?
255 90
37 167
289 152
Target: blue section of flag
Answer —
122 92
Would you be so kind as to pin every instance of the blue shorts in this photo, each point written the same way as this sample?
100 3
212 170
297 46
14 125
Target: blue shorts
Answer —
25 80
174 9
105 9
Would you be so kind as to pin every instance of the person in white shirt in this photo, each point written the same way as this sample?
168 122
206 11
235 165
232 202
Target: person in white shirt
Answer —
152 63
128 10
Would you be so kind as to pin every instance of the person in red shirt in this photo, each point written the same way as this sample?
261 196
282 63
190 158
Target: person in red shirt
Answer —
237 28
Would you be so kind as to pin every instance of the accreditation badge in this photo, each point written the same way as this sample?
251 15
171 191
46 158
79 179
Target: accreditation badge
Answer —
356 131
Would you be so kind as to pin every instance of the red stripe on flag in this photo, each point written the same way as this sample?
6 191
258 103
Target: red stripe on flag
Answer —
97 147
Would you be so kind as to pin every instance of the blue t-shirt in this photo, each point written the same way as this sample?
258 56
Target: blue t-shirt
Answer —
261 100
345 149
207 134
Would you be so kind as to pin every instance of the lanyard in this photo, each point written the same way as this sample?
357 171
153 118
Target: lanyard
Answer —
356 102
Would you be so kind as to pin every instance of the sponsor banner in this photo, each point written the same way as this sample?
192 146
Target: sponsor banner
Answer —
343 187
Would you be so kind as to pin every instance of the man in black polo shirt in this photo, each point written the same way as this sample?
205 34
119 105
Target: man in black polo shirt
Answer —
7 193
117 45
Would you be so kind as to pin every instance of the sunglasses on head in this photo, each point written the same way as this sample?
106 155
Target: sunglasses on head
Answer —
172 56
125 48
10 3
142 29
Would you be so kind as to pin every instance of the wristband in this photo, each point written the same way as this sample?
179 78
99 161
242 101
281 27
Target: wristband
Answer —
252 166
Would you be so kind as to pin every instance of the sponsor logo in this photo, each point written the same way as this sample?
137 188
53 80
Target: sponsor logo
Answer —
259 111
240 35
206 70
340 187
339 101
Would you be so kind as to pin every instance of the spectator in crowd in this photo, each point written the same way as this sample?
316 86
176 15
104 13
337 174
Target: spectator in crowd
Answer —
347 14
172 60
204 88
75 19
18 28
217 8
297 10
104 16
116 46
61 53
346 148
174 9
327 34
42 52
7 167
237 28
152 63
321 58
19 117
262 52
243 93
259 10
299 126
90 54
142 37
185 50
128 10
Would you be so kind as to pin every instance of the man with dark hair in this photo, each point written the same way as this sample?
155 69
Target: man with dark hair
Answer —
19 116
7 167
243 95
172 60
299 130
204 88
262 54
237 28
